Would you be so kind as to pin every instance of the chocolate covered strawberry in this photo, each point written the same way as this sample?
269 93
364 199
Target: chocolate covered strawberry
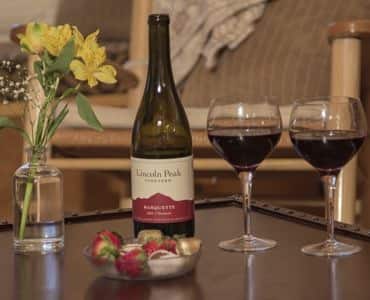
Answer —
133 263
105 246
169 245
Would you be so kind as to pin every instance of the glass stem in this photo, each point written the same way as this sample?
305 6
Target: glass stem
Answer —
246 182
331 184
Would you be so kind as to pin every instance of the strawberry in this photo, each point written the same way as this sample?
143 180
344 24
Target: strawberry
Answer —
169 245
132 263
151 246
105 246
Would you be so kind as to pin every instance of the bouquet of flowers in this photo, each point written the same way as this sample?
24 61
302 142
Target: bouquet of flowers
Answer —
57 51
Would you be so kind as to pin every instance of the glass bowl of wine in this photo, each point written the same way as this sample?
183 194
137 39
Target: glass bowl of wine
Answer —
244 132
328 132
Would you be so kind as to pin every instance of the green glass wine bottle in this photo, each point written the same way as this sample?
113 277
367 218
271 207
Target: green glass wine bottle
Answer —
162 179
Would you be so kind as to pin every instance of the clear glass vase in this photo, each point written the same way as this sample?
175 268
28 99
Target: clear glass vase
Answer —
38 223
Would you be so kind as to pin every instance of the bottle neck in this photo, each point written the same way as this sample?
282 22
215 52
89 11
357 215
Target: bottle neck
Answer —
160 71
36 155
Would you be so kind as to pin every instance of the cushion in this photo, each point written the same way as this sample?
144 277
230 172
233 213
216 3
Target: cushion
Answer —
112 17
287 56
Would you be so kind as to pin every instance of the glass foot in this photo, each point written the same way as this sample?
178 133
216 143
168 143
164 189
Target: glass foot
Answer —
247 244
331 248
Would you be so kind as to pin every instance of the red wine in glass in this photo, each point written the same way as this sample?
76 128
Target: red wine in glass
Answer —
327 151
244 148
327 132
244 131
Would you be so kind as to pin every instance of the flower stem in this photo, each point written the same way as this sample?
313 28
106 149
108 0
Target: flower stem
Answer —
27 197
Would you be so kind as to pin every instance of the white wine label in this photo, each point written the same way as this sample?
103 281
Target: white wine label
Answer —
162 189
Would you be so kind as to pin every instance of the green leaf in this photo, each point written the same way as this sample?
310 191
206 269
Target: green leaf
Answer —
7 123
24 47
57 121
47 59
62 62
68 92
86 112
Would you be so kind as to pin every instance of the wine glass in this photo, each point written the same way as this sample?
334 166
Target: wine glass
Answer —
327 132
244 132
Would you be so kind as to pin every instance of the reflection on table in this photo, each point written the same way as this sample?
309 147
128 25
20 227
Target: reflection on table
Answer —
38 277
173 289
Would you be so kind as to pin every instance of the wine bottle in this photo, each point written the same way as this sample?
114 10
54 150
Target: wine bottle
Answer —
162 179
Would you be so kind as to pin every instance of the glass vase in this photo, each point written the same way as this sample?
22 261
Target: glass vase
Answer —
38 223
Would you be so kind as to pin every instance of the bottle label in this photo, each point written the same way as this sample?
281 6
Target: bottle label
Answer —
162 190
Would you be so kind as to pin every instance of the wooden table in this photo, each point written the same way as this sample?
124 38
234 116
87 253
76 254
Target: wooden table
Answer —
280 273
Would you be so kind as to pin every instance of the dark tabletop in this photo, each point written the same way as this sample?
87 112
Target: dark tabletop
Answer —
280 273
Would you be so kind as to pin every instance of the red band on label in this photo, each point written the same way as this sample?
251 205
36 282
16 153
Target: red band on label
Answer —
162 209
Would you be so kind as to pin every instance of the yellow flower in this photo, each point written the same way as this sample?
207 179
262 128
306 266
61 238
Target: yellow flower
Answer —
78 39
89 47
55 38
93 72
90 66
31 41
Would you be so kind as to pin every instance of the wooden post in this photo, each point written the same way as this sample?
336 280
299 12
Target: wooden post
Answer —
345 81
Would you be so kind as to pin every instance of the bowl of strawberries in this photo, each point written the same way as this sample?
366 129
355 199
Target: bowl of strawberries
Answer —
150 256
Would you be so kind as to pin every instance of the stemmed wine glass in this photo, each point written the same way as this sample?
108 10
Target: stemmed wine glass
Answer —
244 132
327 132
